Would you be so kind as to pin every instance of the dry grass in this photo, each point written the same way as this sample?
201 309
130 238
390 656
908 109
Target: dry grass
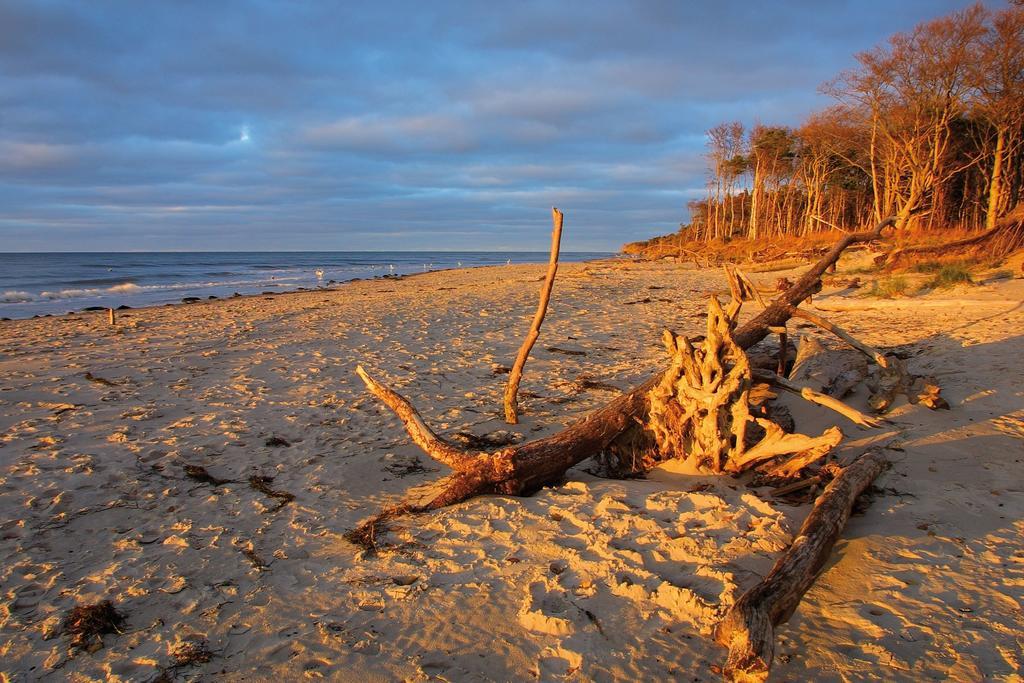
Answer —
889 288
949 275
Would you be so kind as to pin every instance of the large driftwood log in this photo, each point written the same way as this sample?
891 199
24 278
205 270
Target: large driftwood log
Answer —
748 630
620 428
835 372
512 388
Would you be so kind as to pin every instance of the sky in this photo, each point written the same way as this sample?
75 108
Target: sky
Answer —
302 125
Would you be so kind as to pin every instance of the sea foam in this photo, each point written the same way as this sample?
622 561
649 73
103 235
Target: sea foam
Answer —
124 288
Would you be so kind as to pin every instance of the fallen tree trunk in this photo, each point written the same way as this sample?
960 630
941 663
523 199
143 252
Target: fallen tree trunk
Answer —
748 629
620 429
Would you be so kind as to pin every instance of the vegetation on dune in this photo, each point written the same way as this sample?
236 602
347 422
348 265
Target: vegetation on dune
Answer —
889 288
928 127
949 275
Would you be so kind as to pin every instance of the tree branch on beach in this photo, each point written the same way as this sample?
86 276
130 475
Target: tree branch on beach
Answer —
623 431
512 388
698 409
748 627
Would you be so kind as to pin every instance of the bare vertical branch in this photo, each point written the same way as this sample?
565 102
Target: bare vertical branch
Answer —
512 389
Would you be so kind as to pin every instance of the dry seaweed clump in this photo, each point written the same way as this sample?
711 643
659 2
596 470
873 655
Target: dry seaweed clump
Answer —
86 625
368 535
190 651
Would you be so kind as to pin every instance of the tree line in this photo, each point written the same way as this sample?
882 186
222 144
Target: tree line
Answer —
928 127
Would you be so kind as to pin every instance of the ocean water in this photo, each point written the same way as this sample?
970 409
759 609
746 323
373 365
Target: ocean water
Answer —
55 283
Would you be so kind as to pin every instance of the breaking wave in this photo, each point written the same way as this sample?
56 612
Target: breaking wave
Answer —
11 297
124 288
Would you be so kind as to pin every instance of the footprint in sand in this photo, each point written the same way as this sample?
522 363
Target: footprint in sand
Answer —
547 610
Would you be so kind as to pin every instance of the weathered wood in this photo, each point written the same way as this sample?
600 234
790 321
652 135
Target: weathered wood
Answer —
699 411
778 311
825 324
795 486
516 470
780 368
894 379
835 372
748 629
512 388
618 429
421 434
820 399
776 442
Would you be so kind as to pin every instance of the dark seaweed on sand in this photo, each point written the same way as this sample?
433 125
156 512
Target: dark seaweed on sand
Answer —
86 624
262 484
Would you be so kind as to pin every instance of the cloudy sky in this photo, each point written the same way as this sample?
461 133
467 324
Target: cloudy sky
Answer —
297 124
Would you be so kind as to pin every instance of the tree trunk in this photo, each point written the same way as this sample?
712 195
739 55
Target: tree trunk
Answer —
748 630
619 427
995 185
877 203
1010 228
755 200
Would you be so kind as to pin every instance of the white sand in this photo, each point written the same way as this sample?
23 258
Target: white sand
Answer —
593 580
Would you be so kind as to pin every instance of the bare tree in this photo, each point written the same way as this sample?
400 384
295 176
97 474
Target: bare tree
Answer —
915 87
998 75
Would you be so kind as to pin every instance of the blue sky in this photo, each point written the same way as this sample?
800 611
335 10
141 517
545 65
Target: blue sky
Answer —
392 125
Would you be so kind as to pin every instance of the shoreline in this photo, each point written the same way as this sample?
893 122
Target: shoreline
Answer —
336 284
97 425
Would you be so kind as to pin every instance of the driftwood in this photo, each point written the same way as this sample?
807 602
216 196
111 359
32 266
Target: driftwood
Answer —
512 388
780 367
816 397
748 629
813 364
834 372
619 430
823 323
894 379
700 408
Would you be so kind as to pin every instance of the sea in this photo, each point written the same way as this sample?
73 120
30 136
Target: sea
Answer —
34 284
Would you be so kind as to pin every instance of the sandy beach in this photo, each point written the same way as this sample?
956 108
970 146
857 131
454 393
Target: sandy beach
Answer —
596 579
